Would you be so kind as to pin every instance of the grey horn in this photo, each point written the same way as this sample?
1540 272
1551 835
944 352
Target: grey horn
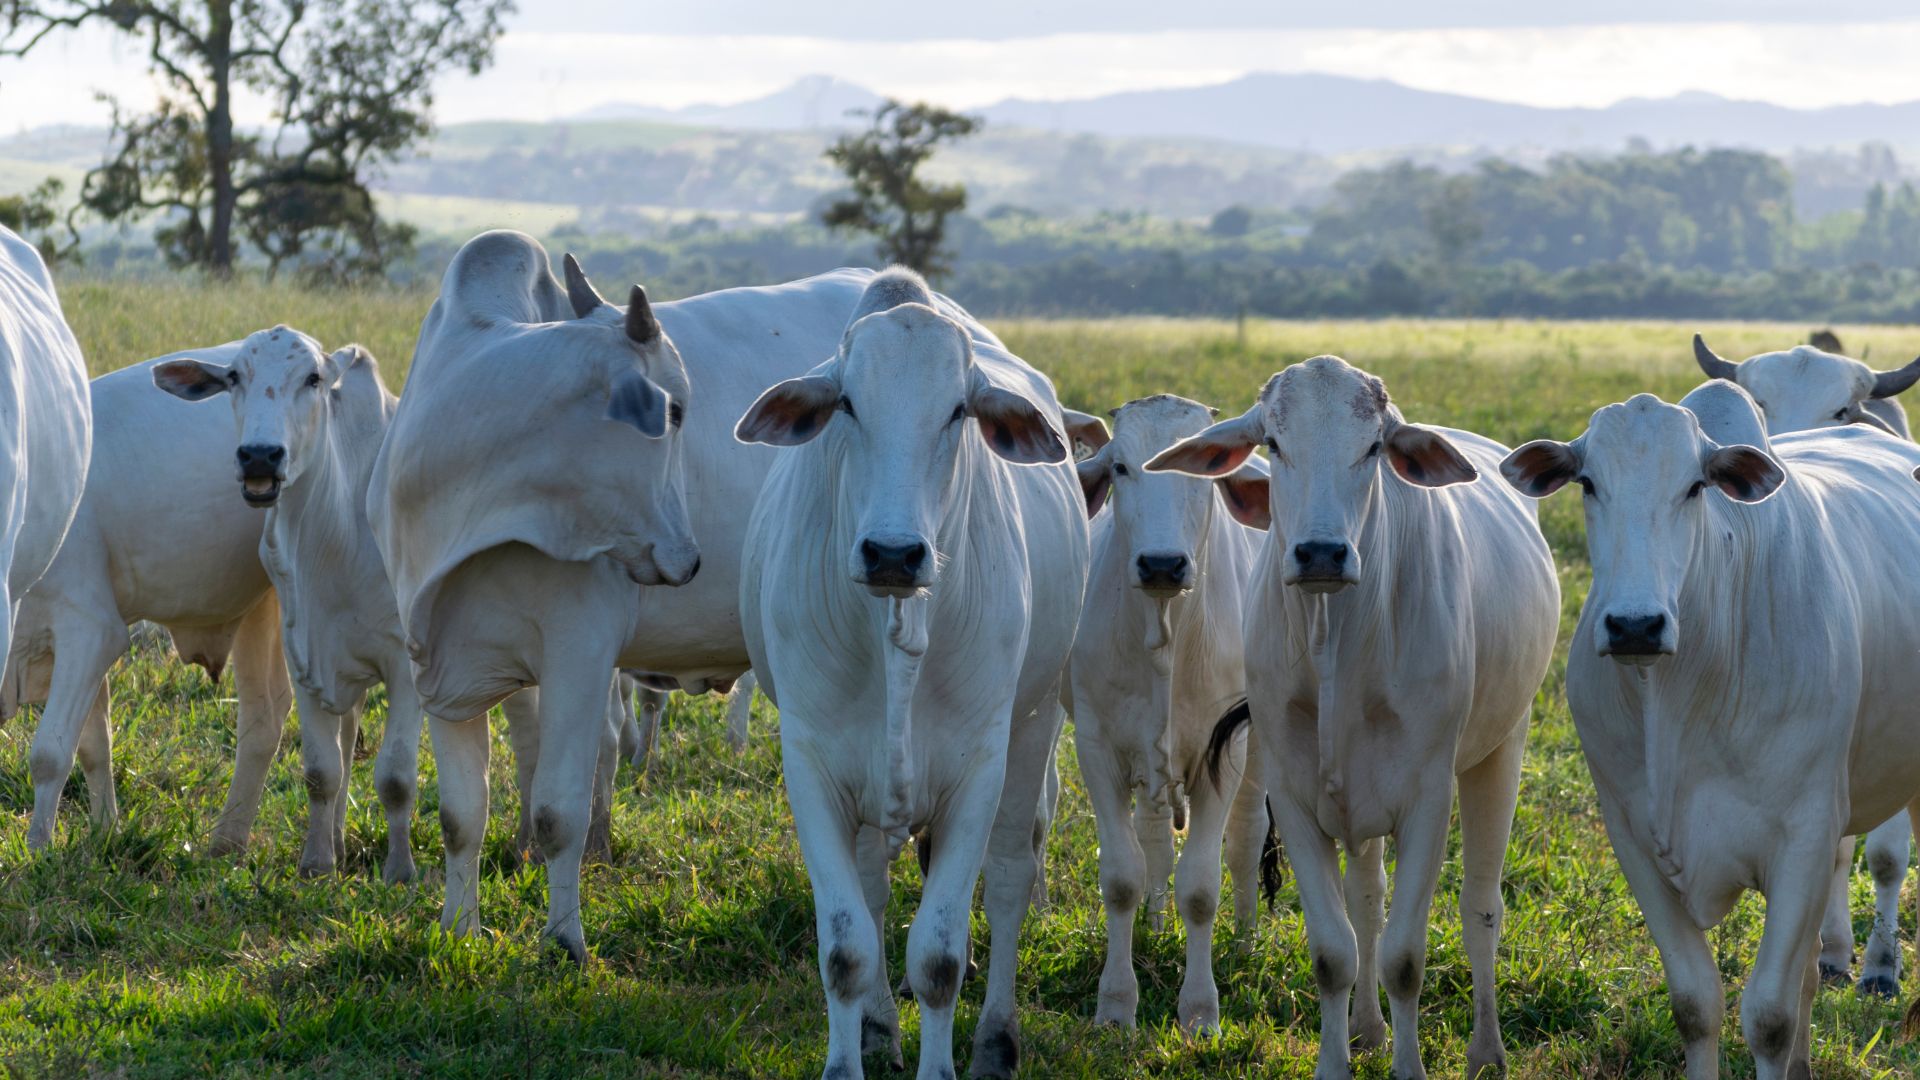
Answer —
580 291
1889 383
1711 363
641 325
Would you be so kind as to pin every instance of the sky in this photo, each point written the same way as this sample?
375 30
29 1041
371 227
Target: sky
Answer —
560 57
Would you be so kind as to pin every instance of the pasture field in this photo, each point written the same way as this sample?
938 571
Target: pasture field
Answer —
132 954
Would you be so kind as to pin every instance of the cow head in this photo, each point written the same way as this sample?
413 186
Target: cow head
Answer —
1164 518
1327 427
1804 387
644 383
282 385
901 399
1644 467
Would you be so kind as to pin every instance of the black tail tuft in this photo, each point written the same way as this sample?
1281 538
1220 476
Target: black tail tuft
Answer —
1270 860
1223 734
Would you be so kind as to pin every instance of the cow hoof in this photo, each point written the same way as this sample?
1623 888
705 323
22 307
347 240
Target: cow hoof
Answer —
1366 1032
1881 986
1487 1066
996 1049
398 871
1200 1020
316 868
1831 975
575 948
881 1039
218 847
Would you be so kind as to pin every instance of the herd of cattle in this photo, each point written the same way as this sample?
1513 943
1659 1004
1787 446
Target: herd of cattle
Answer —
1323 642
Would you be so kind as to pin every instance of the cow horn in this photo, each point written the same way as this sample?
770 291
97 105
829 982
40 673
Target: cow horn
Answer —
580 291
1711 363
1889 383
641 325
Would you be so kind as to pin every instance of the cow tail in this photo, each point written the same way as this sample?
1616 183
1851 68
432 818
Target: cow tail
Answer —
1234 718
1270 860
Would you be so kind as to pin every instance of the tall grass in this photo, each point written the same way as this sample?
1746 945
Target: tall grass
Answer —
132 954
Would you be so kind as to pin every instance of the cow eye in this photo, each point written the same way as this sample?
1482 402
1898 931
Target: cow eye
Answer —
1119 469
846 406
959 413
1697 488
1374 450
676 414
1272 446
1841 416
1586 484
313 380
233 378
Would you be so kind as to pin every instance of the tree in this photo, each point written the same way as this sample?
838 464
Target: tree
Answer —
38 211
350 82
888 198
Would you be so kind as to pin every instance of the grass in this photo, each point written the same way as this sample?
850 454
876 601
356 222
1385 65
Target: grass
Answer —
129 953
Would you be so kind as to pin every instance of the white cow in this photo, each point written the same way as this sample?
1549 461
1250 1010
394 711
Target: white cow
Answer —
1404 618
158 536
308 426
46 426
529 488
909 601
1156 661
1742 679
1802 389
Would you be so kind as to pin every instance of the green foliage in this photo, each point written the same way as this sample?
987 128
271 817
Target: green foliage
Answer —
889 198
37 211
131 953
351 87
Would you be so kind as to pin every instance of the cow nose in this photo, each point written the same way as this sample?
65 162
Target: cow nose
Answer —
1162 571
1636 635
261 460
892 564
1321 558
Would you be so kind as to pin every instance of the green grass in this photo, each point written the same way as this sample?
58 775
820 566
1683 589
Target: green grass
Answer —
132 954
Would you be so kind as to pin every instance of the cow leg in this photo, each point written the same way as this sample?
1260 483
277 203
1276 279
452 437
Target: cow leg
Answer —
573 737
1196 890
629 722
1154 826
1801 1066
1770 1006
1366 892
1488 793
396 774
460 749
1420 848
1044 814
1245 841
1330 938
1123 872
325 760
653 710
96 759
937 943
349 746
522 711
1887 858
880 1016
849 940
599 843
84 650
1010 873
1836 930
264 696
740 711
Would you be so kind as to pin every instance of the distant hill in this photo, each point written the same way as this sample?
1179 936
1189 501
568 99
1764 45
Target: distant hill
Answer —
1334 114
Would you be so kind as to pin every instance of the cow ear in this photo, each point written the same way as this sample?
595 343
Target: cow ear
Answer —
1246 492
192 380
1096 480
638 401
1086 430
790 413
1540 468
1423 457
1216 451
1744 473
1014 427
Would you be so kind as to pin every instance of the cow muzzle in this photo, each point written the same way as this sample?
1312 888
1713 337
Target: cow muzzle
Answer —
1323 566
1163 573
1636 638
262 468
896 566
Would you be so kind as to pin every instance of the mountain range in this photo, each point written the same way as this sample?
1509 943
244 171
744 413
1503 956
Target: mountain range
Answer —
1333 114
